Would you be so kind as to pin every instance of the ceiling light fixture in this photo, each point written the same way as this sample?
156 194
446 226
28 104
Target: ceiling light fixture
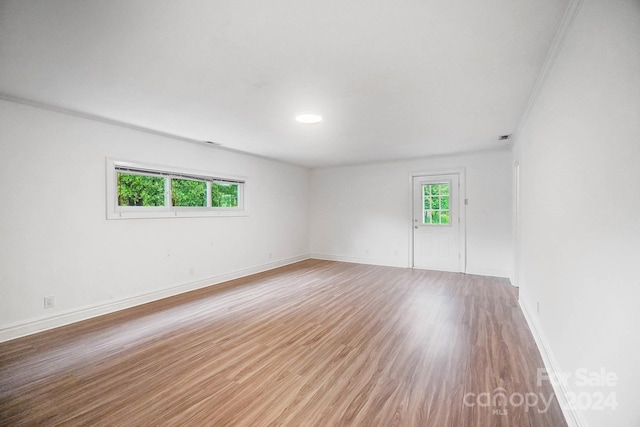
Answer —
309 118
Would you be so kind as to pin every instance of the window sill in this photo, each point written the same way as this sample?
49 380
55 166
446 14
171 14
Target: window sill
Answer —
174 214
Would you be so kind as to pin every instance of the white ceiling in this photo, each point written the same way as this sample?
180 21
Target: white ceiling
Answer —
392 79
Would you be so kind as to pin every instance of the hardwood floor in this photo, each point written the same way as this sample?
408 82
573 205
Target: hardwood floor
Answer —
315 343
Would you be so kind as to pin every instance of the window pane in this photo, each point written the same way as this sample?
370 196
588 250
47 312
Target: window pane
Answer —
140 190
436 199
427 202
435 204
224 195
444 217
187 192
445 203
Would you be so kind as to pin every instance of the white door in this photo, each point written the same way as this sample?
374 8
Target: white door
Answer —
436 223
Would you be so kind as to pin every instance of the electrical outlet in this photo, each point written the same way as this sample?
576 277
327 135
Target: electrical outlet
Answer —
49 302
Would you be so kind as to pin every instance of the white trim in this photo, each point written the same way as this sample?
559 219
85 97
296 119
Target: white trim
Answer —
572 417
116 212
492 272
20 329
480 271
556 46
358 260
516 224
462 209
439 269
100 119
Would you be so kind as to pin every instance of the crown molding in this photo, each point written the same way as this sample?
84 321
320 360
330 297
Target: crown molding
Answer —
552 55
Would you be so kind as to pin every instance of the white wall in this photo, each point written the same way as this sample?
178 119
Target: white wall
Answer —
579 153
363 213
55 238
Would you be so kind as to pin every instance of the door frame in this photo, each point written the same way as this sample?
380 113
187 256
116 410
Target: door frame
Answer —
517 237
462 207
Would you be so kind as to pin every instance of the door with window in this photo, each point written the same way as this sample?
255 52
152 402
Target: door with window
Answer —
437 243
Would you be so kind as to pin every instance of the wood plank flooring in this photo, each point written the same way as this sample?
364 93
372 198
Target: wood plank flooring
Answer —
317 343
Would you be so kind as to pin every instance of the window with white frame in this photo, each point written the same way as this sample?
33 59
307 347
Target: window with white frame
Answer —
435 198
146 191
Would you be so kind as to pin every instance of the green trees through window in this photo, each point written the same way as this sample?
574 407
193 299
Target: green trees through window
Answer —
187 192
436 203
224 195
141 190
154 191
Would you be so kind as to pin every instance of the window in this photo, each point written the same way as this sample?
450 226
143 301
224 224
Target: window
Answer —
188 192
144 191
224 194
435 208
140 190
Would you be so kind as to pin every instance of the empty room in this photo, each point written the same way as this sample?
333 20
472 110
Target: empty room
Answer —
365 213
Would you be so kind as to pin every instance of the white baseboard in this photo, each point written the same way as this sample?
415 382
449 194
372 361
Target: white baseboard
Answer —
489 272
17 330
401 263
573 417
358 260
